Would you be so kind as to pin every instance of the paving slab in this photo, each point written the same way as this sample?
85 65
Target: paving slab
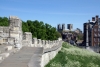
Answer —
26 57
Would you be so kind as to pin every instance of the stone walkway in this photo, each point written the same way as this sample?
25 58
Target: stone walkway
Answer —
26 57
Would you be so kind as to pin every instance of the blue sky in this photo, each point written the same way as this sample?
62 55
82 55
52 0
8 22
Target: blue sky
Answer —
53 12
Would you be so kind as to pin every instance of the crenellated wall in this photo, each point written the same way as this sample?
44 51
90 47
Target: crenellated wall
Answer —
50 53
50 48
13 36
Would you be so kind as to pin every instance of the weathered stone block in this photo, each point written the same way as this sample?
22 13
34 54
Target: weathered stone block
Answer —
8 48
11 41
59 39
27 37
47 45
18 46
4 55
43 43
1 58
34 42
39 43
48 41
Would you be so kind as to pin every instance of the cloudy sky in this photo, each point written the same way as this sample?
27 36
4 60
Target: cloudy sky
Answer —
53 12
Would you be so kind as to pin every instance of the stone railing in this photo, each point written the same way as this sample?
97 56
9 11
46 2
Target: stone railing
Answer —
50 53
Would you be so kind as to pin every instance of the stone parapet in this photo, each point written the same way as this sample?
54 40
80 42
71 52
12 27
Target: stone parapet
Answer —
50 53
43 43
34 42
39 43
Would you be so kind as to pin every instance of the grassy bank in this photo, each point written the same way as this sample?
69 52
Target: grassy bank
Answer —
71 56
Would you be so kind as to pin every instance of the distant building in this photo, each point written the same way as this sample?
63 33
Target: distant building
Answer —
69 26
92 32
59 27
78 31
63 27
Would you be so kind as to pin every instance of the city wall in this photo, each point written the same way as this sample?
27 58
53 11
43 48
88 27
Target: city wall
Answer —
12 35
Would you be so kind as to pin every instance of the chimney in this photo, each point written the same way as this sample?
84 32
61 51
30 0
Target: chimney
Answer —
97 17
88 20
93 18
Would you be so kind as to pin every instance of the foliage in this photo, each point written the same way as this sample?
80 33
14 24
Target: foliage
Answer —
71 56
79 35
4 21
38 29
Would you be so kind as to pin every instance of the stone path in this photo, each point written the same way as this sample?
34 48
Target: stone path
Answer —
26 57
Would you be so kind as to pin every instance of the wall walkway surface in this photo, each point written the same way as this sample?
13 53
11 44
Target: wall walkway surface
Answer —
31 57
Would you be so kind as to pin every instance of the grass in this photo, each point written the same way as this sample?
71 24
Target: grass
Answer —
71 56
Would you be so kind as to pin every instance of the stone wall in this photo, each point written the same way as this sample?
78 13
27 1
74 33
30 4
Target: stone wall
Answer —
50 53
44 43
16 30
49 49
13 35
27 39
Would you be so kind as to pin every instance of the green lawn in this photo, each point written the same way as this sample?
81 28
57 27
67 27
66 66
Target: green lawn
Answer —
71 56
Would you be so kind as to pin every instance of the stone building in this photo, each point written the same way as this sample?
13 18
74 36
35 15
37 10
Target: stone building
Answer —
69 26
59 28
92 32
78 31
63 28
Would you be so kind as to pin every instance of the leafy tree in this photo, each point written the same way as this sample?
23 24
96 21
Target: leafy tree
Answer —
4 21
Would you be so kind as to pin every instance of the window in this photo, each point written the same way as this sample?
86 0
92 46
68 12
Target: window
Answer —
95 34
98 26
98 39
98 34
99 29
94 39
99 21
95 30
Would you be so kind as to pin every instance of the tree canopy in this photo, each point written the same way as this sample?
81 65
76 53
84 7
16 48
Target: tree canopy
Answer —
4 21
38 29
